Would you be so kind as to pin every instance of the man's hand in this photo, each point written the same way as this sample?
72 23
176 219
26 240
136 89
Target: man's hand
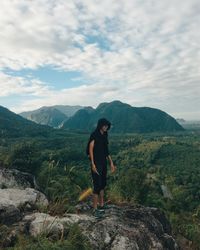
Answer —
113 168
94 169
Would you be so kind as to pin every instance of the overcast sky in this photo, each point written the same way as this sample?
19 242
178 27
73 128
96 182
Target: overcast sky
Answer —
84 52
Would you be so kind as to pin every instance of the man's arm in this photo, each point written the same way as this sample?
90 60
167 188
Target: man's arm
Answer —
91 147
112 166
108 156
110 159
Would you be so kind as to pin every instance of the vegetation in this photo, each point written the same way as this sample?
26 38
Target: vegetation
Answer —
146 164
13 125
74 241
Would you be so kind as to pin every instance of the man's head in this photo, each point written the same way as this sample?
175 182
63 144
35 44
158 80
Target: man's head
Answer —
103 124
104 128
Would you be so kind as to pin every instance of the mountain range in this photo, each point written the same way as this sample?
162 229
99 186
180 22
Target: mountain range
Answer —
124 119
53 116
13 125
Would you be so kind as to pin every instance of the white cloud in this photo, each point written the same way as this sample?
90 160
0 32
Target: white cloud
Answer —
152 56
10 85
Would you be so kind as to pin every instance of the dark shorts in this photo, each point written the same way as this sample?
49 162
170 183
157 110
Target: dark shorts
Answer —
99 181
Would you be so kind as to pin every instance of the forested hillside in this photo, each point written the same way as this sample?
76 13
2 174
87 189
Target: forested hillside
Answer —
124 118
13 125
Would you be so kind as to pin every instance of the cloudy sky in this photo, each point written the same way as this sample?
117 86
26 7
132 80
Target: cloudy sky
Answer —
84 52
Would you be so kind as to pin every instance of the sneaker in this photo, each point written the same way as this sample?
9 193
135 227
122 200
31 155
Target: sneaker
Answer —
105 206
97 213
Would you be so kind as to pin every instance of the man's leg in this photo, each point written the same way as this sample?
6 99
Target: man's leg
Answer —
102 197
103 184
96 189
95 200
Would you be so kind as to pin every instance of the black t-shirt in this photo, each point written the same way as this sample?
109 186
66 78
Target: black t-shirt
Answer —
101 150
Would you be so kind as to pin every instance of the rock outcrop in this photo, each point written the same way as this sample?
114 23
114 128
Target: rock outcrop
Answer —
13 178
122 227
128 227
17 195
14 202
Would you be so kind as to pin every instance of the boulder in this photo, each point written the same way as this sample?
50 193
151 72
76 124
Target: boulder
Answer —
9 214
13 178
52 226
14 202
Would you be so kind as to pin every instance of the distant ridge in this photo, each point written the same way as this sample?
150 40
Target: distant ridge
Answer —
13 125
53 116
124 119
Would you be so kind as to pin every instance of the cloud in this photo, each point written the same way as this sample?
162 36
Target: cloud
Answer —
143 52
10 85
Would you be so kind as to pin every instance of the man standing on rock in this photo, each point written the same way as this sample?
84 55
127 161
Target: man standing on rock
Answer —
98 152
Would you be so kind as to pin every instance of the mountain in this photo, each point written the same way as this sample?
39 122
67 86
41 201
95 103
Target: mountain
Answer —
124 119
53 116
46 116
13 125
81 119
68 110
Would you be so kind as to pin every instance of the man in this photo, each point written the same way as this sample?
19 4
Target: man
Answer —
98 153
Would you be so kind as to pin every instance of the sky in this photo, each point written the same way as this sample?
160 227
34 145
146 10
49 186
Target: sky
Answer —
84 52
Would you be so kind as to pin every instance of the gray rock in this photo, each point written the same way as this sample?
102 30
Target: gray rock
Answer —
9 214
54 227
128 227
19 197
122 243
13 202
13 178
